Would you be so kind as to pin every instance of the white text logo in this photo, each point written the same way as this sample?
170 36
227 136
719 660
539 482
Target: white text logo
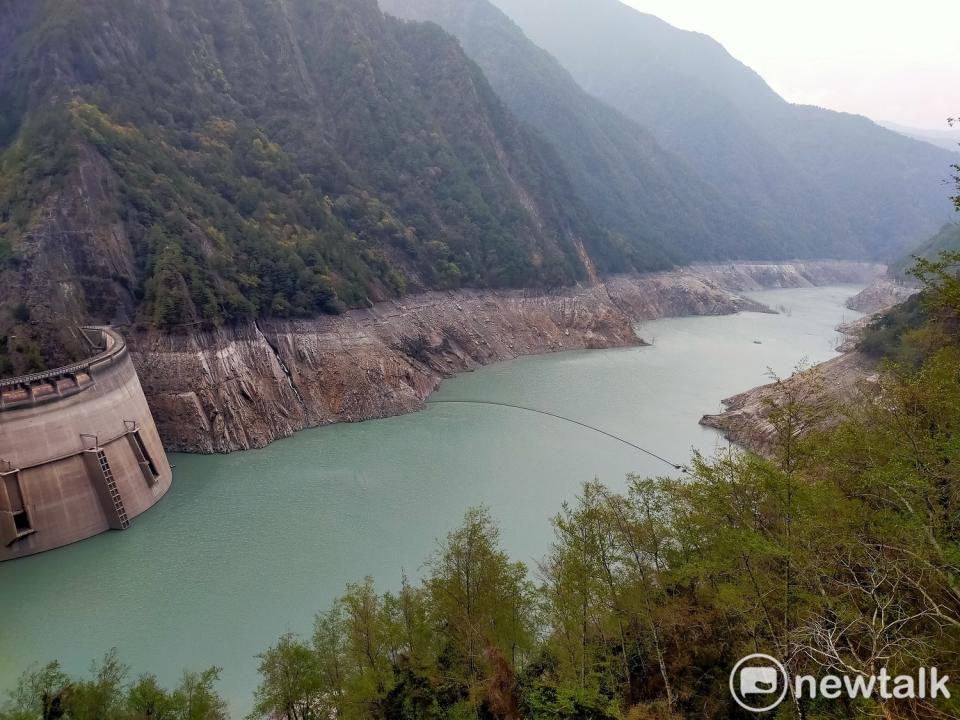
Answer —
759 683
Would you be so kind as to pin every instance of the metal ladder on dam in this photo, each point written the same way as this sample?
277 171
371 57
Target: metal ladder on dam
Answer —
112 489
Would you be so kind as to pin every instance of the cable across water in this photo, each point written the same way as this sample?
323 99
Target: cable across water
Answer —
655 456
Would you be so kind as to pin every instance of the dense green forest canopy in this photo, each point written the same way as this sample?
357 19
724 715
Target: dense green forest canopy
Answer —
194 163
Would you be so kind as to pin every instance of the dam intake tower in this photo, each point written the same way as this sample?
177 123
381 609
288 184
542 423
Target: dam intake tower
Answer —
79 452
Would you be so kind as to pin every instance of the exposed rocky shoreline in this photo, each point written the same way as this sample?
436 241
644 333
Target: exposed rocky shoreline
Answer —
245 386
744 420
882 294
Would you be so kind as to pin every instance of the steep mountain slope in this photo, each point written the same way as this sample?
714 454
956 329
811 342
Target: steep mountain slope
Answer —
648 196
947 240
947 139
195 162
818 178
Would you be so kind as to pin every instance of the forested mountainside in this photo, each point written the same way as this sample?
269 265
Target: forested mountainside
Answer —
194 163
647 195
947 240
201 161
816 178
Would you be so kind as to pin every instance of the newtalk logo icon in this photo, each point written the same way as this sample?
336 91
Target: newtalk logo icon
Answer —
759 683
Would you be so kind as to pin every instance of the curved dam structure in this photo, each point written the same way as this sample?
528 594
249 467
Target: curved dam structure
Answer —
79 452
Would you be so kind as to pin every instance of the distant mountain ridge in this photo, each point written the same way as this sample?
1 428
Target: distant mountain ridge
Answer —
645 194
947 240
817 178
946 139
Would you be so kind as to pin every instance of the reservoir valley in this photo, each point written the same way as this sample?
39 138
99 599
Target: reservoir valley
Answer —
250 545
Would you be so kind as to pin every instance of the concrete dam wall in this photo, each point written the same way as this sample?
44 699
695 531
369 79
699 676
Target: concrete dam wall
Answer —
79 451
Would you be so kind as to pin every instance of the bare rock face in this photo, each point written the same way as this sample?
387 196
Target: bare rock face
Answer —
853 332
881 294
745 419
742 277
245 386
216 391
679 293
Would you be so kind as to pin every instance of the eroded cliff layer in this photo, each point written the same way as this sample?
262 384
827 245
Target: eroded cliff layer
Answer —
243 387
882 294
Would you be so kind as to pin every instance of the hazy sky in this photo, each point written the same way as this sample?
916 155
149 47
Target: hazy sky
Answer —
890 60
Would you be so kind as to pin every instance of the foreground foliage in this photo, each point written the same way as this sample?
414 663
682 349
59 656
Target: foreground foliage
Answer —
47 693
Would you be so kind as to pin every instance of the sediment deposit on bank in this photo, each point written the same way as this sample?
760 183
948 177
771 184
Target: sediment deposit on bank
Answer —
245 386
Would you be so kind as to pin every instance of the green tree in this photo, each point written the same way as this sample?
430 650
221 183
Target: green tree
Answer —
147 700
368 633
480 599
586 552
102 697
48 693
291 685
39 694
329 647
942 283
196 698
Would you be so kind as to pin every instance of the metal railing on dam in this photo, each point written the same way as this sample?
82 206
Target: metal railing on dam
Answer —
114 347
79 451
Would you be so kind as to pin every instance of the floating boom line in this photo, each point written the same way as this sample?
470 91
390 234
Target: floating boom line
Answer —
655 456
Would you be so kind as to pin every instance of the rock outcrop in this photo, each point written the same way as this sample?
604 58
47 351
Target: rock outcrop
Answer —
243 387
881 294
745 420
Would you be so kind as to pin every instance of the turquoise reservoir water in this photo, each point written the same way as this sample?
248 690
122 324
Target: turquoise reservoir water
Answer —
248 546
